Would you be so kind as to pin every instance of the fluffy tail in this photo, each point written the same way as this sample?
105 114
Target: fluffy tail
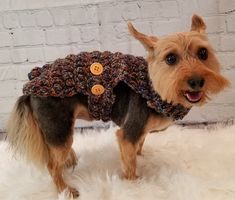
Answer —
24 135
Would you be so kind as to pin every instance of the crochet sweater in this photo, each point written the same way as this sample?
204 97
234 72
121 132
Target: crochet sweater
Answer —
71 75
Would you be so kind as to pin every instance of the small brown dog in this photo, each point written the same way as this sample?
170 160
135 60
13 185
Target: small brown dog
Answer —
183 71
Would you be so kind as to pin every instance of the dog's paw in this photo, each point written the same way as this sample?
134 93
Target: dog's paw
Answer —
70 163
72 160
73 192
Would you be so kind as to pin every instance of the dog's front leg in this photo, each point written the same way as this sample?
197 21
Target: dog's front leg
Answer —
128 155
131 133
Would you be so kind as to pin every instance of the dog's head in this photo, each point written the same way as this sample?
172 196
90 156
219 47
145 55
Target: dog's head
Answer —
183 67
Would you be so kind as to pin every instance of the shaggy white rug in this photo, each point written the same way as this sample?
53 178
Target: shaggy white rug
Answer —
178 164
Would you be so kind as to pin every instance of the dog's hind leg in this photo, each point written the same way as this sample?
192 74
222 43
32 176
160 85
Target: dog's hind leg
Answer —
56 120
140 146
58 157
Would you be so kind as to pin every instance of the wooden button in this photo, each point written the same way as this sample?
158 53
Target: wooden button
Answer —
97 89
96 68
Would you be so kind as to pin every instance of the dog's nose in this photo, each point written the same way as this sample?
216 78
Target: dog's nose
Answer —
196 83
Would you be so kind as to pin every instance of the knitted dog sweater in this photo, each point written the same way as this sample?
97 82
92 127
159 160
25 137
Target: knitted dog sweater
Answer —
71 75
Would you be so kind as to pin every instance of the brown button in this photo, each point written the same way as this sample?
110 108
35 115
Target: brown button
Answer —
96 68
97 89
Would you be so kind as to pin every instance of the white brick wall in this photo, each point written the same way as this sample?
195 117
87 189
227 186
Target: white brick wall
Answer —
38 31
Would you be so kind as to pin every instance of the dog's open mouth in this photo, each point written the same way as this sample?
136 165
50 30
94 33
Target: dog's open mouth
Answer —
193 97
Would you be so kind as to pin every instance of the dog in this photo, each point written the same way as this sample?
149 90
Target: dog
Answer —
183 71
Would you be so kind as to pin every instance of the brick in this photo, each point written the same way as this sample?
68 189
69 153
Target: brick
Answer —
64 51
230 74
27 19
44 18
143 27
7 104
208 6
203 114
8 72
226 96
226 5
115 47
34 55
215 24
35 4
19 86
84 15
5 56
92 46
60 16
75 34
52 53
5 40
10 20
187 8
108 13
117 33
227 42
150 9
30 37
18 55
227 59
230 23
130 11
7 88
166 27
5 5
102 26
22 71
3 122
18 4
136 48
89 34
169 9
57 36
215 41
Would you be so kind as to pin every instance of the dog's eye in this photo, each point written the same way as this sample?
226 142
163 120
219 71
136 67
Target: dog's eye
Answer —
171 59
202 54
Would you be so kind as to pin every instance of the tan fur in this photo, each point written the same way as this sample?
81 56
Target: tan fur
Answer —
198 24
25 137
81 112
128 155
154 123
58 160
149 42
171 81
129 151
71 160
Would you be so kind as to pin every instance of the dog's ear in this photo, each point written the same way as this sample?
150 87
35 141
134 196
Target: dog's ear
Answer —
198 24
149 42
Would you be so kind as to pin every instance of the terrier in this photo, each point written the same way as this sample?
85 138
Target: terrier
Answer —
181 71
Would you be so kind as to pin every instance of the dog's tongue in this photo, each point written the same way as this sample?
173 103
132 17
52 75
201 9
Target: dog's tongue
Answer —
193 96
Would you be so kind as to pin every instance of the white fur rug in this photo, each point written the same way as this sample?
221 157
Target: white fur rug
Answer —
178 164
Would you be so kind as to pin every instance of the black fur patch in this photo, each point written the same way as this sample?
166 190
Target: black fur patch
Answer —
136 119
55 117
